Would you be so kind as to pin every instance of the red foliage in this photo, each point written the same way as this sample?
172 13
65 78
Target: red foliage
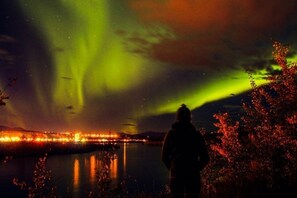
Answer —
42 181
264 148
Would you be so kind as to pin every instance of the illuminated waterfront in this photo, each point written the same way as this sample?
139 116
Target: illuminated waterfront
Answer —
21 136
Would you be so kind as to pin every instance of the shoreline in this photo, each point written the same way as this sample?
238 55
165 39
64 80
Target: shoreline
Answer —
24 149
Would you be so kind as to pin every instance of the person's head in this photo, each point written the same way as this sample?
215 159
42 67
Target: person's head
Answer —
183 114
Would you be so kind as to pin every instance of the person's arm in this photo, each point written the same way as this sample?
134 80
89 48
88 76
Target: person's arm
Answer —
203 157
166 154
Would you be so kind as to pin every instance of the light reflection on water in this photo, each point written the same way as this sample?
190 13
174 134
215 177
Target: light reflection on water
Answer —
92 168
125 157
75 175
114 169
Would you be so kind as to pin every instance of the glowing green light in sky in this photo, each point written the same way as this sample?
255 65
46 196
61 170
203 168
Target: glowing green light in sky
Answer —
223 87
89 61
88 58
292 59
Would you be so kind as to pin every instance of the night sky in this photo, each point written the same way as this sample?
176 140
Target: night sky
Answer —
127 65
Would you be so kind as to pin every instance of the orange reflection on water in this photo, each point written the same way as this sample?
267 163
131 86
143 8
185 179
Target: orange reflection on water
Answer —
114 168
125 157
92 167
76 173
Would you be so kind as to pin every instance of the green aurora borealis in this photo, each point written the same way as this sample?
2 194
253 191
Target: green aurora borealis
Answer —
88 79
87 56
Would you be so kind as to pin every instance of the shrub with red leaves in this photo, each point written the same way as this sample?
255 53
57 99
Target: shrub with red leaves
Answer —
258 156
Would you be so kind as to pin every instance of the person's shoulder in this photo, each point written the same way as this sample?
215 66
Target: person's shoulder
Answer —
171 132
175 125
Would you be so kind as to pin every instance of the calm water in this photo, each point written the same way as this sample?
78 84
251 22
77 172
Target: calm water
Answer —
75 175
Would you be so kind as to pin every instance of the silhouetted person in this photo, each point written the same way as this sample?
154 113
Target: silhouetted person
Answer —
184 153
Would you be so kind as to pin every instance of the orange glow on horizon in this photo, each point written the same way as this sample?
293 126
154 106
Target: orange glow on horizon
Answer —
11 136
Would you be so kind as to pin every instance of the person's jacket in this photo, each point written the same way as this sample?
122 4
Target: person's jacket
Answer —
184 151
